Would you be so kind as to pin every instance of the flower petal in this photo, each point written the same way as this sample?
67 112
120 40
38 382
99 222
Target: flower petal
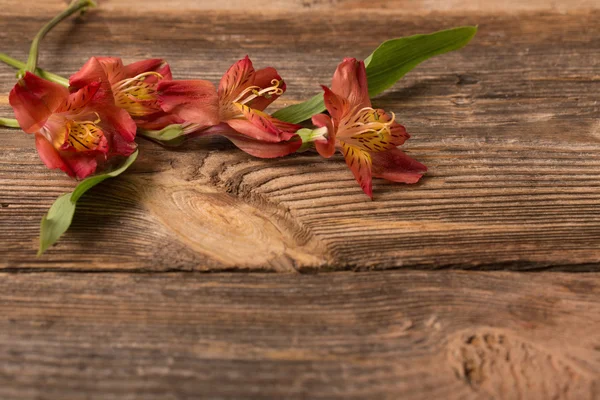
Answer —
80 98
50 156
262 149
83 165
283 126
118 120
157 121
78 165
359 162
394 165
350 82
247 128
326 148
257 148
397 132
261 126
337 106
152 64
265 78
104 70
34 99
109 71
192 100
84 137
120 146
372 131
238 77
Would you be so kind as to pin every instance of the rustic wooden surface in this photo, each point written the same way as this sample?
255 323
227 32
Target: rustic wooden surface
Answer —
386 335
509 128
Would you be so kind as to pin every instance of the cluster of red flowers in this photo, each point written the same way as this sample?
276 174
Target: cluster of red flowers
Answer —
81 129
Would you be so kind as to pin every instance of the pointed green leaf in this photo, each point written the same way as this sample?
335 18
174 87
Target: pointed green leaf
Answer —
388 63
56 222
171 135
394 58
60 215
302 111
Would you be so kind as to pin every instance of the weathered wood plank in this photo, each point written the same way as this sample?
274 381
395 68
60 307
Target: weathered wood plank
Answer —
374 6
508 126
387 335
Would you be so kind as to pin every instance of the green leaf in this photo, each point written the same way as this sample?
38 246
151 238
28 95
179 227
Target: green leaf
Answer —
60 215
302 111
394 58
171 135
56 222
388 63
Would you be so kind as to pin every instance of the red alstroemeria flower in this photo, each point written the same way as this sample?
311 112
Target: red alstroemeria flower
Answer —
236 110
133 87
367 137
73 131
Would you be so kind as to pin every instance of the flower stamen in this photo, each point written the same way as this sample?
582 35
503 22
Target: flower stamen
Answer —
98 120
85 135
138 78
136 96
373 124
256 91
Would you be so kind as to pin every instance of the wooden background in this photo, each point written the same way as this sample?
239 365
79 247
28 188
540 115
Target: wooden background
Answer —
509 128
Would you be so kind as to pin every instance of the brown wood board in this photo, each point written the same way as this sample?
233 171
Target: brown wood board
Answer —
384 335
508 127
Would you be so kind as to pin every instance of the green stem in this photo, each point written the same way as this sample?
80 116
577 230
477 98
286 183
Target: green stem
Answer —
309 136
49 76
9 123
75 6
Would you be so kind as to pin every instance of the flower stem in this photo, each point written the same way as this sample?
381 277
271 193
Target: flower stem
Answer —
9 123
309 136
38 71
75 6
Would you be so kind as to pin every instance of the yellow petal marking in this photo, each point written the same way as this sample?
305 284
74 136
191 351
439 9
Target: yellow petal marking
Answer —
369 130
137 96
85 135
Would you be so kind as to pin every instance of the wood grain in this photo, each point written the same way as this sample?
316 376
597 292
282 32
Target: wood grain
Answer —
508 127
386 335
375 6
